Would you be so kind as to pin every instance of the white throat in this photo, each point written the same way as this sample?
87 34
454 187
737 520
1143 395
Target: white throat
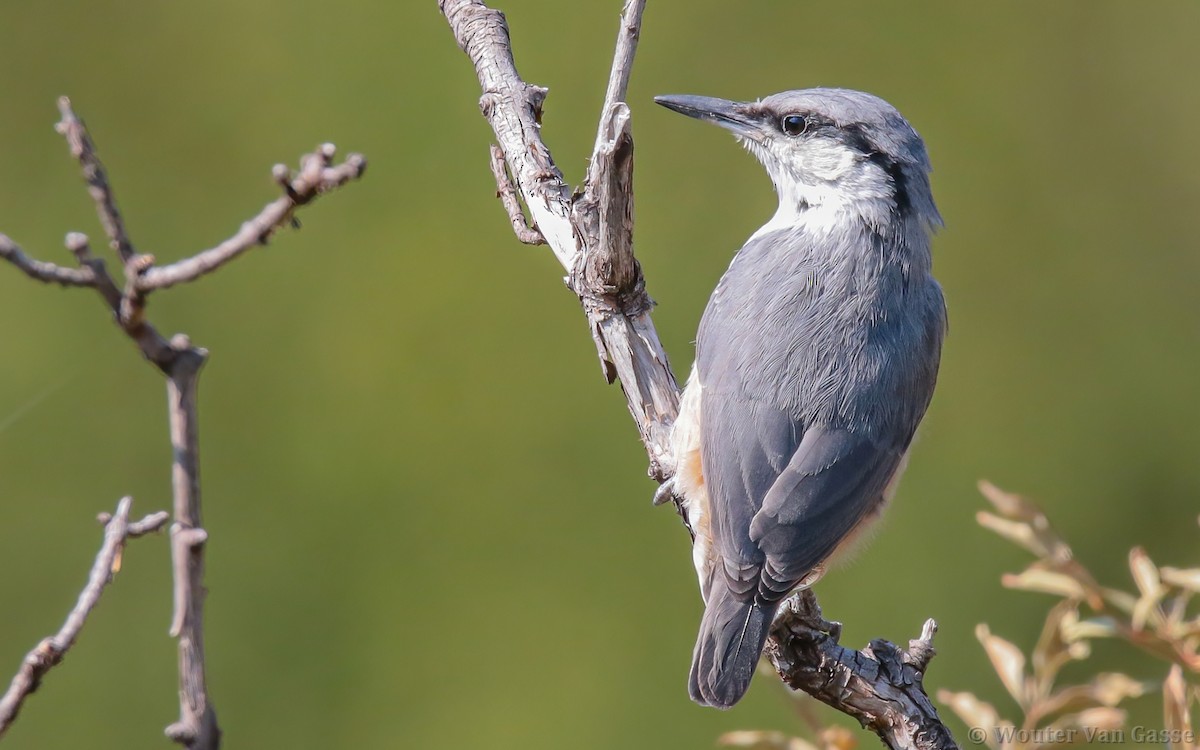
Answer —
838 188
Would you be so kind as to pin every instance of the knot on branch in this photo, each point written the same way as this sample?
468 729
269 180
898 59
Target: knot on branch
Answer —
595 279
181 732
46 654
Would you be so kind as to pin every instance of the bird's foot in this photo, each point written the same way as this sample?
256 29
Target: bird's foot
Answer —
665 492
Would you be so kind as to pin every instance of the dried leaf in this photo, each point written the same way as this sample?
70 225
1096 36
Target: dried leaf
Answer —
1080 650
1019 533
1145 572
1187 579
1176 716
1107 689
979 715
1010 505
1008 661
1093 627
1144 611
1023 523
1073 698
1111 688
763 740
1122 600
1051 652
1073 569
1044 581
1102 719
837 738
1091 721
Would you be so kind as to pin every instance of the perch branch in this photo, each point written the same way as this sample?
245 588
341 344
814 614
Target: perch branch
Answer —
181 363
591 234
596 254
47 654
880 686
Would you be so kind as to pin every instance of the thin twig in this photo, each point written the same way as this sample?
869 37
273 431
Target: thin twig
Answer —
512 203
77 243
316 176
47 654
84 151
41 270
622 66
127 306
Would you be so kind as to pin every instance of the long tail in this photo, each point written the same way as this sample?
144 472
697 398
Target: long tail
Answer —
732 634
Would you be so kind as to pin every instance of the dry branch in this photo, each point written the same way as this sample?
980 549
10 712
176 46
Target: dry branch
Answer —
181 363
597 255
47 654
40 270
591 234
318 174
881 685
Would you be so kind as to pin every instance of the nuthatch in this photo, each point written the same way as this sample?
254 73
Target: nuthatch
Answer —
815 361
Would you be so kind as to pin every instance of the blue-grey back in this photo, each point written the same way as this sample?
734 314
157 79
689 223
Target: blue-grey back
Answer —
833 337
828 334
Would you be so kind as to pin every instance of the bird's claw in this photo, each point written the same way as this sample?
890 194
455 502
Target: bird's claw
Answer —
665 492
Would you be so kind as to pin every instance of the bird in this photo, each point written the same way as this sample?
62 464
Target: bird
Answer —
816 359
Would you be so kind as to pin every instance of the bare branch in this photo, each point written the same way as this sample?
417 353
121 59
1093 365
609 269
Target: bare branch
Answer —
181 362
84 151
317 176
197 725
47 654
591 234
77 243
622 67
40 270
512 203
598 257
881 685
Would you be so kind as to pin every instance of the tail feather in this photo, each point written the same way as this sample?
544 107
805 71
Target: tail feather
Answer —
732 634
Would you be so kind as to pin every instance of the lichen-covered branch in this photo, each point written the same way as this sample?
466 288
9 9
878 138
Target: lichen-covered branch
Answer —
591 234
46 655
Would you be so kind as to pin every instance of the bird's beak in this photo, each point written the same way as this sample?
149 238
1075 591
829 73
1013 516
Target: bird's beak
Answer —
729 115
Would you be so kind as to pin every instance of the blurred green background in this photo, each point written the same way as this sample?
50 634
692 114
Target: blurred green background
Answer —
430 525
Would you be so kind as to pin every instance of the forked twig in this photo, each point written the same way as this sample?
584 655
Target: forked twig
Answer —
50 651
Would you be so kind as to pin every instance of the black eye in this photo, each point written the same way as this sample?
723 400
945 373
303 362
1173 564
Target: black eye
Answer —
793 124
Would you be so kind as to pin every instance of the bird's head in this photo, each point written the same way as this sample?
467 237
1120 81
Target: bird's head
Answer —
829 148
